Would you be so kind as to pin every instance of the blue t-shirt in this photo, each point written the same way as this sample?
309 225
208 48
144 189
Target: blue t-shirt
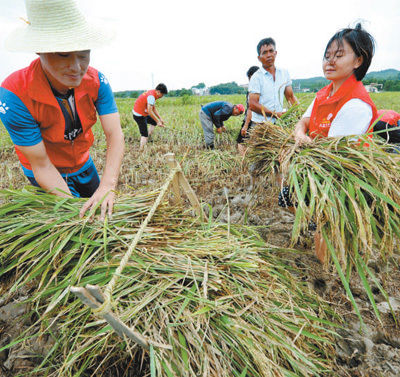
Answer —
24 129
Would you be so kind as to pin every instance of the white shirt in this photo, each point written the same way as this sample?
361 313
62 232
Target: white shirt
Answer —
271 91
353 118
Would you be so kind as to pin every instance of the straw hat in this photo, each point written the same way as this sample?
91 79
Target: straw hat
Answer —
56 26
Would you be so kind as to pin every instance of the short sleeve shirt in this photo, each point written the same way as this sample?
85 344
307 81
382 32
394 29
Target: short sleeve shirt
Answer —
23 128
353 118
271 91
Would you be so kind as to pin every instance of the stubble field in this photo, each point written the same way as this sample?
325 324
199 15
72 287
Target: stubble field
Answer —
222 182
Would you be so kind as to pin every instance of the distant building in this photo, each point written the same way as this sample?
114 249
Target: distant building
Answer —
374 88
201 92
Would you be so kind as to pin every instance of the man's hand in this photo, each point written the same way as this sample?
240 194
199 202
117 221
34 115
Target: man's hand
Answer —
243 131
106 206
223 129
279 114
160 123
219 130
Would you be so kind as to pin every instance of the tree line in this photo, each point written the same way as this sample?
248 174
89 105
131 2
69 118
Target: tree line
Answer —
226 88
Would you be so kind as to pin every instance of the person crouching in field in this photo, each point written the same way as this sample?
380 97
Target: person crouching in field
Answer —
50 107
343 107
247 123
144 112
215 113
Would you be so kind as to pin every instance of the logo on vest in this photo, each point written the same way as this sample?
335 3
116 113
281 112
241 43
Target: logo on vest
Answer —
103 79
3 107
325 123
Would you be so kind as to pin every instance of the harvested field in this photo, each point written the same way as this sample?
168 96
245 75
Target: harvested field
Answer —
222 180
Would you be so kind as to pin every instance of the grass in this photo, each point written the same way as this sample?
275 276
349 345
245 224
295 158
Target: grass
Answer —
256 318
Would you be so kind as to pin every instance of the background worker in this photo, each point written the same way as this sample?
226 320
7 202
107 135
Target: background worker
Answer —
144 112
247 123
215 113
49 107
268 85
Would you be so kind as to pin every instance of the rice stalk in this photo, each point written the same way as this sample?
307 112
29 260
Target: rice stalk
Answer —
226 304
349 188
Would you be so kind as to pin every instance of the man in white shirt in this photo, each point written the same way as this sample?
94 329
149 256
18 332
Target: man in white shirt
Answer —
268 85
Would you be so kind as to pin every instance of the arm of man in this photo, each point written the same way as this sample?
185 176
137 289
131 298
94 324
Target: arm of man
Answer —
44 171
115 151
290 97
255 105
246 123
158 115
151 110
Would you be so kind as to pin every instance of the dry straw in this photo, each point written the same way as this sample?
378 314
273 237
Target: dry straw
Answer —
349 186
227 304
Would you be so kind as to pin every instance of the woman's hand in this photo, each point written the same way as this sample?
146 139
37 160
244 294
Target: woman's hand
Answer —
302 138
300 134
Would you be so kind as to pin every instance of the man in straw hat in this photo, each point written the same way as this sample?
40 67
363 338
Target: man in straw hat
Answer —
49 107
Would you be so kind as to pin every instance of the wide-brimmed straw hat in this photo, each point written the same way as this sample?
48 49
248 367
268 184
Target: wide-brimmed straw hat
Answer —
56 26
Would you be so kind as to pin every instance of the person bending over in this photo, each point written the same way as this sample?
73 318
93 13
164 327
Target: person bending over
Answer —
216 113
49 107
144 112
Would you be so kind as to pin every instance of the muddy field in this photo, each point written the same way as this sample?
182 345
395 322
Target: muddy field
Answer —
222 181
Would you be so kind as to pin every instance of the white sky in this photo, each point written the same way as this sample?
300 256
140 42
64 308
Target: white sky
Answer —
182 43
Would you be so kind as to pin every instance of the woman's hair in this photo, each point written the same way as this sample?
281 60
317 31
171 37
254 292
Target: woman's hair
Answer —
362 43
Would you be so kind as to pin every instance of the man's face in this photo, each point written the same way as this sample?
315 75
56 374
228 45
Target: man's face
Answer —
236 111
65 70
267 56
159 94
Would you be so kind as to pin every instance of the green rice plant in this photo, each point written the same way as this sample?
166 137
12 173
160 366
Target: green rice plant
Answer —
211 299
349 187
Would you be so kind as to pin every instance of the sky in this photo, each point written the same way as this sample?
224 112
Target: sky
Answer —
182 43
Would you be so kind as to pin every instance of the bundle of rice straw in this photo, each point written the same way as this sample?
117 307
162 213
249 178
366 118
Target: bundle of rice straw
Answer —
350 189
221 302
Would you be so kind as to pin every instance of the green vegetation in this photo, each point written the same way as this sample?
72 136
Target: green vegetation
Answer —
389 78
207 296
216 293
348 188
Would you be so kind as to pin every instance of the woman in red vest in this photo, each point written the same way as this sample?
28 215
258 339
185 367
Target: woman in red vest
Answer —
343 107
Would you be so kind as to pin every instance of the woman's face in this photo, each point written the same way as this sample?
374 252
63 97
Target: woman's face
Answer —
340 62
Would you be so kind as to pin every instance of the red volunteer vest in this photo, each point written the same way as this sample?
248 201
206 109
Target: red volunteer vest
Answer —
140 105
32 88
389 116
325 109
